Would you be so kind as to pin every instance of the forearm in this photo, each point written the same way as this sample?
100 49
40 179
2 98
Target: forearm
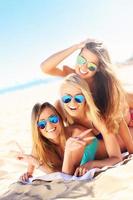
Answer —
67 166
126 136
50 64
30 169
106 162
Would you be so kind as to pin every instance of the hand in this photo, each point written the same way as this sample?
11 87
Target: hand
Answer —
81 170
25 176
27 158
82 44
75 143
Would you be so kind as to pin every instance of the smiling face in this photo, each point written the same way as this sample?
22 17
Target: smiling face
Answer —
82 68
76 106
53 127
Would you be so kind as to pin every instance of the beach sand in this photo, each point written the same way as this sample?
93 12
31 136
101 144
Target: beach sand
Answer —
15 108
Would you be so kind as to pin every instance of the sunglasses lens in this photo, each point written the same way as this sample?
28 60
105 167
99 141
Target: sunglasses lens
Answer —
79 98
92 67
80 60
66 99
54 119
42 124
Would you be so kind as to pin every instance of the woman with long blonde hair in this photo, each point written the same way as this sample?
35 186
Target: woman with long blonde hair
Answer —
52 142
78 107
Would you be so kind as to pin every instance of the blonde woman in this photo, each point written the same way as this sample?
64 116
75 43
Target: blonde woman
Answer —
52 142
78 107
93 64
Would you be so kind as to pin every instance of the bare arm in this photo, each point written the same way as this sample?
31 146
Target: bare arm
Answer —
114 156
50 65
32 164
74 149
111 144
126 136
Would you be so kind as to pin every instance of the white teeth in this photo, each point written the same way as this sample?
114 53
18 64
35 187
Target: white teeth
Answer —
72 108
82 72
53 129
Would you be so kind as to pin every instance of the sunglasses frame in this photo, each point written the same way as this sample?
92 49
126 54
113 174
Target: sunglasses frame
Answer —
46 120
75 98
89 64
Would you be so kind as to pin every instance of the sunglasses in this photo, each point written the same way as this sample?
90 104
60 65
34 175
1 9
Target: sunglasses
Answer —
79 98
52 119
81 61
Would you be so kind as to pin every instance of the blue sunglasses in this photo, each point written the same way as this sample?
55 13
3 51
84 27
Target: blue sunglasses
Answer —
79 98
52 119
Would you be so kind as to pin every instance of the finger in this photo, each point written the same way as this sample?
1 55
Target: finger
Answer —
20 148
80 171
83 143
84 171
25 177
84 133
76 172
89 138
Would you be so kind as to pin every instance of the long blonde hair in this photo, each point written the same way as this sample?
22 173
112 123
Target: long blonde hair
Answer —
78 82
92 110
44 149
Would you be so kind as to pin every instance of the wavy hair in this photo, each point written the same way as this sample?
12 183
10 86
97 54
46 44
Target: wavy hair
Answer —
107 90
92 111
43 149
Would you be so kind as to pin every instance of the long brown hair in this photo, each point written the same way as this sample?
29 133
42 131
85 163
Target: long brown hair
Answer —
44 149
107 90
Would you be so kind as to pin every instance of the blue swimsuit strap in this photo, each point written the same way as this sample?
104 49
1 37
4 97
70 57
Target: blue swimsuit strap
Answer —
89 151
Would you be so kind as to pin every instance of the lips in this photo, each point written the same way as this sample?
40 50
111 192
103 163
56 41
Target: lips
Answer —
72 107
51 130
82 71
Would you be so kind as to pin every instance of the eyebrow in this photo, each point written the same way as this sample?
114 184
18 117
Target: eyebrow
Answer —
73 95
47 117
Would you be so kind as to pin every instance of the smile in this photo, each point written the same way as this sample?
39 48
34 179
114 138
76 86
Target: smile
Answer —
83 72
72 108
51 130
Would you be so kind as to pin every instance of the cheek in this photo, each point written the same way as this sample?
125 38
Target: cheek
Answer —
59 128
65 106
77 69
43 133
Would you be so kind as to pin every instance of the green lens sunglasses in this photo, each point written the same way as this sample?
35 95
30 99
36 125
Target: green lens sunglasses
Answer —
81 61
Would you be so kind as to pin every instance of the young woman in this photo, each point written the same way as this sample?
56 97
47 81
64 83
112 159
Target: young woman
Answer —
78 108
93 64
50 140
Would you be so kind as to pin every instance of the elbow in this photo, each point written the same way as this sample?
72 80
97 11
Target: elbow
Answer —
43 67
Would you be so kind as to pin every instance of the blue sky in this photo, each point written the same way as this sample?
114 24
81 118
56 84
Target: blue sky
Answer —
31 30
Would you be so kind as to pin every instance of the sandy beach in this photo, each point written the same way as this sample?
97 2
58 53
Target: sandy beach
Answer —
15 107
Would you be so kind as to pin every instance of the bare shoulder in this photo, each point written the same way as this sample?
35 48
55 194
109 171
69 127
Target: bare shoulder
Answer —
75 130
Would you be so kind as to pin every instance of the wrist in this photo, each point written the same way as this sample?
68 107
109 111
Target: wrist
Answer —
75 47
29 173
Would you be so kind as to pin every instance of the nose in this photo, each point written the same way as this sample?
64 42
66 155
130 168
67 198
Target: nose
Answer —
49 125
83 67
73 102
